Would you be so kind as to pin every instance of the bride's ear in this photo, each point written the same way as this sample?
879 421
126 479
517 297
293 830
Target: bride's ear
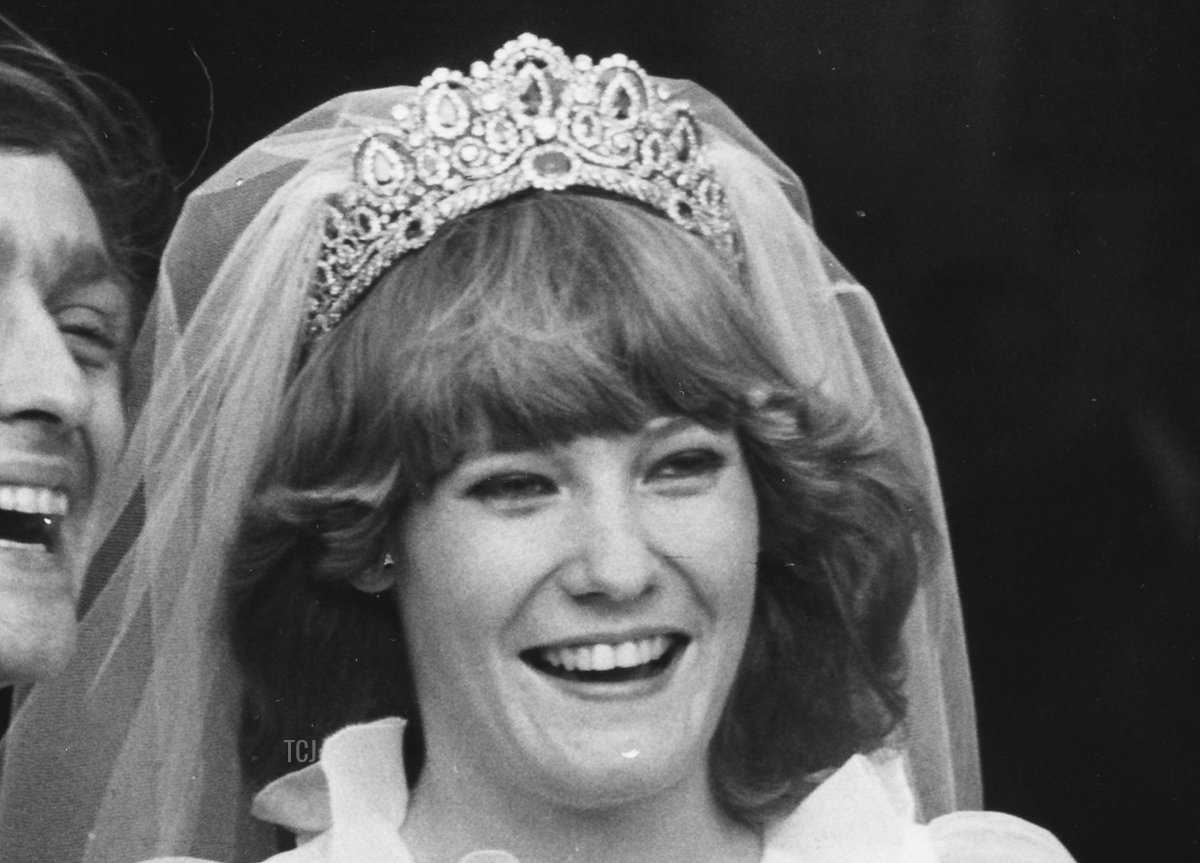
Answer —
379 578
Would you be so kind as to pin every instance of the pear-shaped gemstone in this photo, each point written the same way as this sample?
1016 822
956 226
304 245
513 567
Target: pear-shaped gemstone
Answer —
382 169
684 138
623 98
536 97
653 150
446 112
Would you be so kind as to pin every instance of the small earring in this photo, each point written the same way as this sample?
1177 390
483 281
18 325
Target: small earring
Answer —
377 579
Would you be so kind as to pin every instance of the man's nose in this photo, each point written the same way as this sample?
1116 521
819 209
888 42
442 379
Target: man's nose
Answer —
40 379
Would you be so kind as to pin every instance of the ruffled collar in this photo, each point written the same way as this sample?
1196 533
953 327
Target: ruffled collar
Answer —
353 802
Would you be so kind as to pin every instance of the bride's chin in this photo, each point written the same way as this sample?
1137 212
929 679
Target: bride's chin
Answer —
611 783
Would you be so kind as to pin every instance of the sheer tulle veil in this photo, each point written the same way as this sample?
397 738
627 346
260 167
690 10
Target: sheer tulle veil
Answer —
131 754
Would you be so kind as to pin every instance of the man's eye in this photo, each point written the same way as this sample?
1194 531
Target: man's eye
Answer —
513 488
89 336
687 466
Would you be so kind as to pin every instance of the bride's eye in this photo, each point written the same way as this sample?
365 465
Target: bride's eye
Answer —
687 470
513 490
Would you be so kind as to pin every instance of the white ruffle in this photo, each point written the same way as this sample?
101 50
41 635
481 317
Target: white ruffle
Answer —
349 807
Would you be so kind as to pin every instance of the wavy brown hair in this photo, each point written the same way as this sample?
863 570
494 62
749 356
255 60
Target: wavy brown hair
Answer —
539 320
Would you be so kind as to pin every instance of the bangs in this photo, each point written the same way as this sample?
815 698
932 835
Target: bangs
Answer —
544 319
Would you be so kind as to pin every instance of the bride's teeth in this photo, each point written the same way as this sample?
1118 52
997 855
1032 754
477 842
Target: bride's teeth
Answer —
583 659
606 657
52 502
627 655
29 499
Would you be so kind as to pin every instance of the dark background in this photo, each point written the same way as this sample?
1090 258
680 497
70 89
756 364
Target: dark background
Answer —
1018 183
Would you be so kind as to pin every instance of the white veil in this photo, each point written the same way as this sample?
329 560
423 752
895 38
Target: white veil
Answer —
132 753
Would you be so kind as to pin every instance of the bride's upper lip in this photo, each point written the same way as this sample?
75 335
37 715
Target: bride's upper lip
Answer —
60 474
610 637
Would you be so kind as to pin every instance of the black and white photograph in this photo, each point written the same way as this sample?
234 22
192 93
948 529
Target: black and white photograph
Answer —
599 432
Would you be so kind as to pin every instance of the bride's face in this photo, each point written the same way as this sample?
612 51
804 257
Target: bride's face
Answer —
576 614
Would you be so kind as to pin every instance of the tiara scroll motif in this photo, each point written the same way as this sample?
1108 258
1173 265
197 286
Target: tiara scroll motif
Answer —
531 119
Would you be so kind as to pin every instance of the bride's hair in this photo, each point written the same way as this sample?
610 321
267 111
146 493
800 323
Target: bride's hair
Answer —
532 322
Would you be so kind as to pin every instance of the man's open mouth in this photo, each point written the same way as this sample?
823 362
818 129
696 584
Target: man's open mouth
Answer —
619 662
31 517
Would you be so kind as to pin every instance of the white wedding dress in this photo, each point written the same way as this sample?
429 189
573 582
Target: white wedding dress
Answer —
349 808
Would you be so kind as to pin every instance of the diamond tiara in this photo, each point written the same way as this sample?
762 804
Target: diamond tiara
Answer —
531 119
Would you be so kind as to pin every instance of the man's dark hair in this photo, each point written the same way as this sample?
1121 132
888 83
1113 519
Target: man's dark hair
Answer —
48 106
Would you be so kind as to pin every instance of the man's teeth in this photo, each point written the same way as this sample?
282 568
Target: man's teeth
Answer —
33 500
605 657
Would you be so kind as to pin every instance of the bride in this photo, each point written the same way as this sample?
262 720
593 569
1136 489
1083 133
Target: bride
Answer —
515 436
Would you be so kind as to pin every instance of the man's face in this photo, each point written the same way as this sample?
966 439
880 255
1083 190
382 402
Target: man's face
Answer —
65 326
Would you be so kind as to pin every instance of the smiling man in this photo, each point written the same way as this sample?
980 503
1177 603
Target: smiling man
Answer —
85 203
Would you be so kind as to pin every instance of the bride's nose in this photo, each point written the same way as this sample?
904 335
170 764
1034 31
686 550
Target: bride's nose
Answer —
613 558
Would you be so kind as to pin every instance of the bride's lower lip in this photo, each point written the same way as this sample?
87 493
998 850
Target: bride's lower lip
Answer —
612 684
34 565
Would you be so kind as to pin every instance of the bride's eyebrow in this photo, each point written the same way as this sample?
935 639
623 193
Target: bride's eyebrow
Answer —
665 427
488 441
